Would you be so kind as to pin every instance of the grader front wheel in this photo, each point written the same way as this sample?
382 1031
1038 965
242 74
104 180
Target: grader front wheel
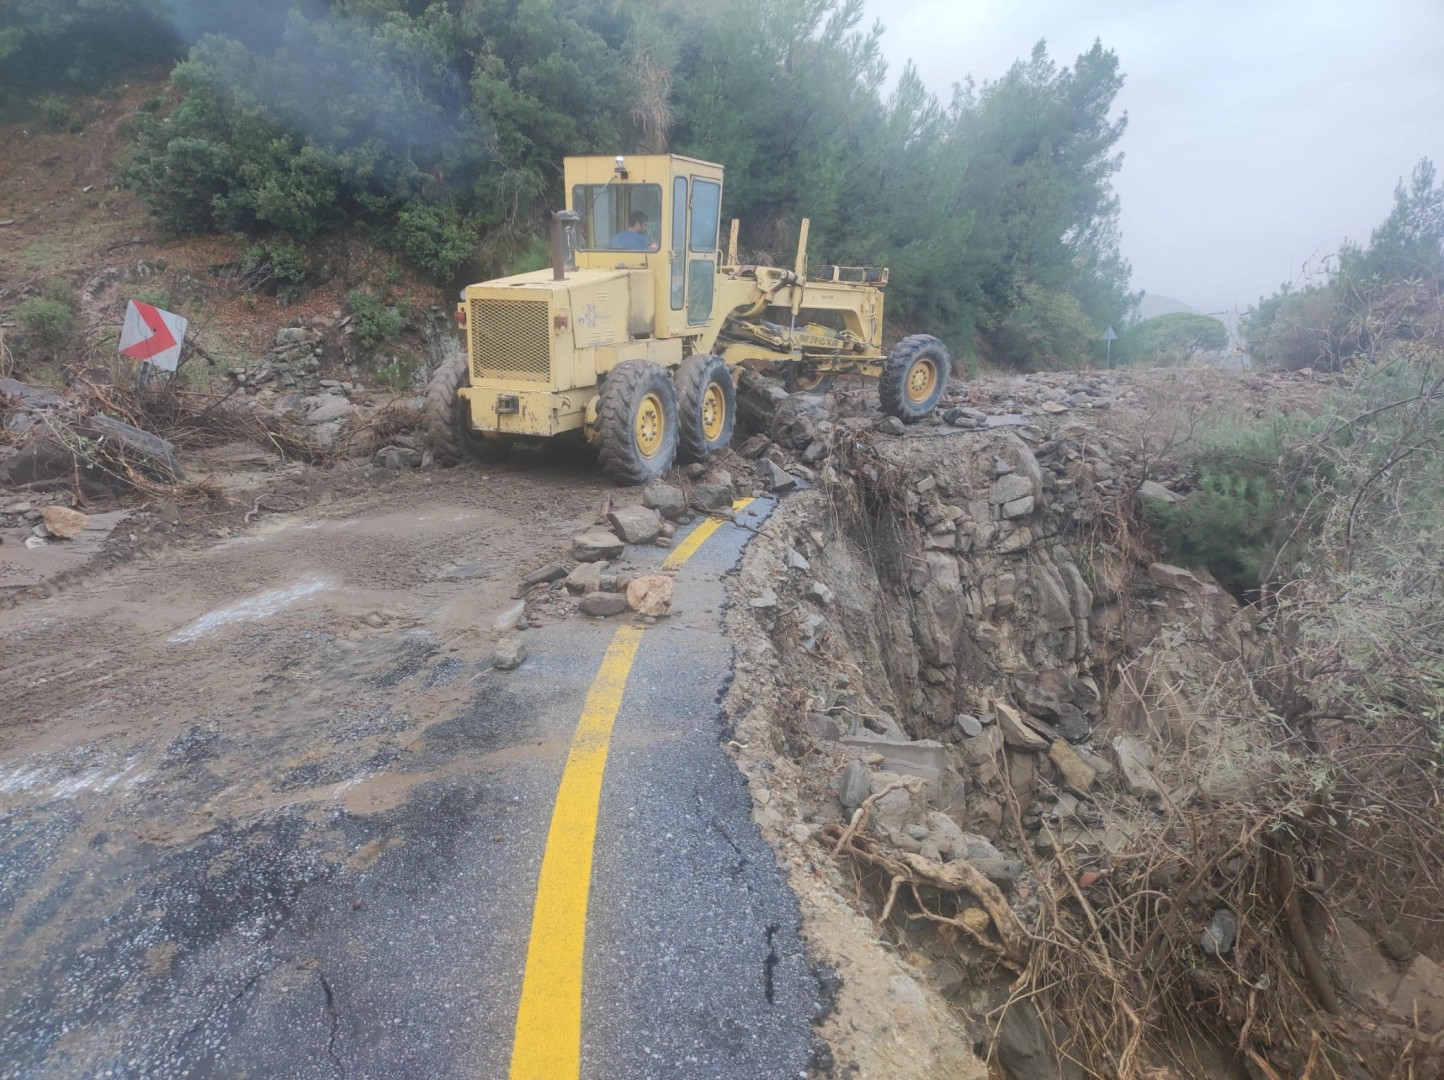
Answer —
915 377
706 406
637 426
448 427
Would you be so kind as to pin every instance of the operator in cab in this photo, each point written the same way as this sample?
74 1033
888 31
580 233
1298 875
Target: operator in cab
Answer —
634 236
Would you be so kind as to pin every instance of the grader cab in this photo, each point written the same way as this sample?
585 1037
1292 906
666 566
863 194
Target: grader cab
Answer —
634 338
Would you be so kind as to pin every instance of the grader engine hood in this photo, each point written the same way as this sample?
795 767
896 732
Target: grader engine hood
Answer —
529 328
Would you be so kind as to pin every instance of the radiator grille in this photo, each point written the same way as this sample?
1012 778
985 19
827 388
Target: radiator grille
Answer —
509 340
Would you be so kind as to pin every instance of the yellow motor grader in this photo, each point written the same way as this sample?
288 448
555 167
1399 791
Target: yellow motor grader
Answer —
635 337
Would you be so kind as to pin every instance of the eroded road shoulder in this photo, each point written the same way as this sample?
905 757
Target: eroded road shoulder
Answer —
274 814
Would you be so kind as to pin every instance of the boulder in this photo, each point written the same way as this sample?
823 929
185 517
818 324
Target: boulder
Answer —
711 496
1077 773
901 807
1043 693
1153 491
820 592
667 500
1135 759
1052 608
794 424
636 524
332 408
1018 508
1218 936
30 397
1015 732
970 726
603 604
923 757
983 748
510 654
1421 993
64 522
777 479
38 461
1072 724
1022 1047
650 595
1173 577
544 575
586 578
854 785
157 452
754 447
596 545
1011 487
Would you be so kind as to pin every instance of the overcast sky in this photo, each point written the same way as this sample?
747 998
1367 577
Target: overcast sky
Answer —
1260 132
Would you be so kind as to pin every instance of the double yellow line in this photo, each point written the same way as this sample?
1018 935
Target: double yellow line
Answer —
548 1042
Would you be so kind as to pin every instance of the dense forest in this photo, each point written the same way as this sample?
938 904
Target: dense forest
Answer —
439 129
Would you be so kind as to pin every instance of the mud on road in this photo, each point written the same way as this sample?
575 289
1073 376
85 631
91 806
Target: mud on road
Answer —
192 740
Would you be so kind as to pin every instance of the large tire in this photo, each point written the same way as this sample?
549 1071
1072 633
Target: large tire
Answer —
637 423
706 407
802 377
915 377
448 431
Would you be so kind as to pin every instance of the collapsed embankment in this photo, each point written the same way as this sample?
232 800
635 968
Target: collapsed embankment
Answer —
1016 765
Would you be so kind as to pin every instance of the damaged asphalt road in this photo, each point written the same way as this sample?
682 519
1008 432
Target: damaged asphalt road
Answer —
305 840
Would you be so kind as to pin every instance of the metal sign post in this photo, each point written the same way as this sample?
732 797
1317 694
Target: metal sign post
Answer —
1109 337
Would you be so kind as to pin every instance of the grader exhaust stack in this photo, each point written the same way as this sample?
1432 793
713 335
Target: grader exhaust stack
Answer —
633 339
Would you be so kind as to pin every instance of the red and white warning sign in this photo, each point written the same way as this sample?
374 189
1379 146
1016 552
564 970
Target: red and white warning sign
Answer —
153 335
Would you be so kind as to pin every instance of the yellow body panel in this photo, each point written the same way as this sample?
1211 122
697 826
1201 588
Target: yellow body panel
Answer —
538 347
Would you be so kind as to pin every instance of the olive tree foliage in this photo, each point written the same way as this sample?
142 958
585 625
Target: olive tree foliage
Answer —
1172 338
439 127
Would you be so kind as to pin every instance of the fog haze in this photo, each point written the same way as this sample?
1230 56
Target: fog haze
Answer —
1260 134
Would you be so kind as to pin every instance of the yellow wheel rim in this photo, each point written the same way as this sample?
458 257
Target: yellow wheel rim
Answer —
922 380
714 412
808 377
651 425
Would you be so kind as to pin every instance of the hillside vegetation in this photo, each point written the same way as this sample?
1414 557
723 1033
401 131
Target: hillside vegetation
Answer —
438 131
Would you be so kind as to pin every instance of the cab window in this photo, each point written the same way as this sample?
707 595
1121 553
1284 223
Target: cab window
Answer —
619 217
706 211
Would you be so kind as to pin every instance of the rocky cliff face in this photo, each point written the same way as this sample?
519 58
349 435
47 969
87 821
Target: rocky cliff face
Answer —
973 706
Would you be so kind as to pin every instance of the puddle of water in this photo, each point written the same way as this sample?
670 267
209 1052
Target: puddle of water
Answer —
252 609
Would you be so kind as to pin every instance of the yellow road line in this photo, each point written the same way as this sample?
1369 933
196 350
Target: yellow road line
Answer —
548 1043
697 537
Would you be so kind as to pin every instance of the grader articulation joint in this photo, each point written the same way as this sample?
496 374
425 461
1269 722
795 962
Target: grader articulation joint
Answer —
635 337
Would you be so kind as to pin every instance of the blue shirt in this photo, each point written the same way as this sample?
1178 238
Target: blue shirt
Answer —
631 241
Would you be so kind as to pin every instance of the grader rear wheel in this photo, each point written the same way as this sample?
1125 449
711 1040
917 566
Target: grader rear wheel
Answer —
915 377
448 430
706 407
637 426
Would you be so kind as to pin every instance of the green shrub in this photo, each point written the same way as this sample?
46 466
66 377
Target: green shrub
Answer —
47 321
1045 330
436 238
1172 338
62 292
57 114
376 321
